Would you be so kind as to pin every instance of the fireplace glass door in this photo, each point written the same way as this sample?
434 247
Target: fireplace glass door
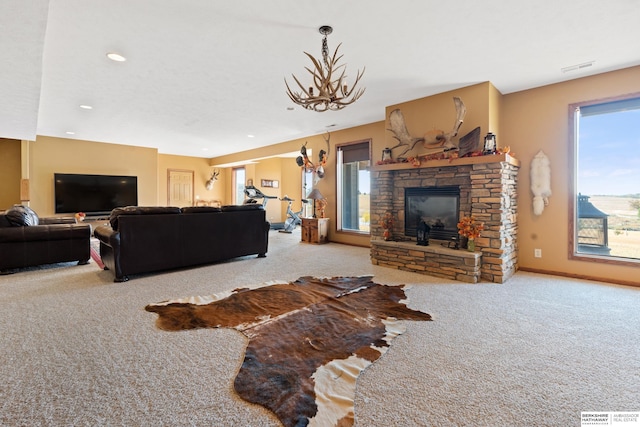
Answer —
437 206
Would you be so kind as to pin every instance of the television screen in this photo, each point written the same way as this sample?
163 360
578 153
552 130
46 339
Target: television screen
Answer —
94 194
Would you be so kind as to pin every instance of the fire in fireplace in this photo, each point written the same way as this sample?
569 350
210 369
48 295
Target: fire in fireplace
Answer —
439 207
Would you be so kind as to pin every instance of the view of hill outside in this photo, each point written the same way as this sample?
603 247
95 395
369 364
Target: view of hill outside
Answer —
609 173
364 212
364 196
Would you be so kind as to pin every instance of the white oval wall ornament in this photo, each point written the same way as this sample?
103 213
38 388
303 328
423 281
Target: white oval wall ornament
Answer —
540 182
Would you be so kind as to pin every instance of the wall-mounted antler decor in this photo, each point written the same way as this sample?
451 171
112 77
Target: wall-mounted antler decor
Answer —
435 141
304 161
323 156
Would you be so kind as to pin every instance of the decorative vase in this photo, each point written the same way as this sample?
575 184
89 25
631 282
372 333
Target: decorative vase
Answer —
463 242
471 245
386 234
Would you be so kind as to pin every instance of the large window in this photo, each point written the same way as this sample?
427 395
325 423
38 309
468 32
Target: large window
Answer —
605 207
307 186
238 185
353 182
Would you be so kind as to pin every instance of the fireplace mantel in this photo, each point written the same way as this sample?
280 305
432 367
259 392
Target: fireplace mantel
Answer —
488 191
506 158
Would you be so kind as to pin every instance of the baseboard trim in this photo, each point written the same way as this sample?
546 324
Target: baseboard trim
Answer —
581 276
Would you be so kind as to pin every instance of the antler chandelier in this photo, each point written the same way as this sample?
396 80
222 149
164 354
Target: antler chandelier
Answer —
329 81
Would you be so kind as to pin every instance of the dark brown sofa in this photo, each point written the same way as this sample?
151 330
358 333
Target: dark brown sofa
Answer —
27 240
148 239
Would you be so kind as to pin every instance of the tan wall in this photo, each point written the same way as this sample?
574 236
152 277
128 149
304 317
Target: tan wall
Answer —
539 119
270 169
439 112
50 155
10 172
327 185
495 107
201 174
291 186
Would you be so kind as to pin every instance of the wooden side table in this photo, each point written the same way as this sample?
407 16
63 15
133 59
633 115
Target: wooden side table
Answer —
315 230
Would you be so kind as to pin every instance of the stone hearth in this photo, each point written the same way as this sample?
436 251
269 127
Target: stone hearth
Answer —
487 191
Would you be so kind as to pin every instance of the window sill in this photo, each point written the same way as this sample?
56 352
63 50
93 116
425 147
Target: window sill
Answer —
605 259
354 232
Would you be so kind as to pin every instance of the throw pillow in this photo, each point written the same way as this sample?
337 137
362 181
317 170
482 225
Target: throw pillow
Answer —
21 216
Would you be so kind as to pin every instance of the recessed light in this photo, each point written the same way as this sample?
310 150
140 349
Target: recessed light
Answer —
70 133
250 136
290 108
116 57
86 107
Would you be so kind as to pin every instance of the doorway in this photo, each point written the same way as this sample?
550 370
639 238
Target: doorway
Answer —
179 187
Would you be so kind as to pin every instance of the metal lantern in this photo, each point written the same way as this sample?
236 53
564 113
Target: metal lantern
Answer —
422 233
386 154
490 144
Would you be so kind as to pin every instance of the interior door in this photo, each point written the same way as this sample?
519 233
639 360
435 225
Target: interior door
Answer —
179 188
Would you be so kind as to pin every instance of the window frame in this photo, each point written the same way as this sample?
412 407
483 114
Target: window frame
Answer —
573 187
307 185
339 201
234 174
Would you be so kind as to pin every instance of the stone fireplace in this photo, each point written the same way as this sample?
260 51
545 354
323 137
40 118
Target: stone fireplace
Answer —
483 186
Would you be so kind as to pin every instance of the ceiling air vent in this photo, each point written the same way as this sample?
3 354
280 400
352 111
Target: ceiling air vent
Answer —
577 67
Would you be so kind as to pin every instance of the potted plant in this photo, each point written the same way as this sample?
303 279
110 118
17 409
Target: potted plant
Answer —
387 224
470 228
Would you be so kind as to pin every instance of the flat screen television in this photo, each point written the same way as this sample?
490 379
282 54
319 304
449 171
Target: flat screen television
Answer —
93 194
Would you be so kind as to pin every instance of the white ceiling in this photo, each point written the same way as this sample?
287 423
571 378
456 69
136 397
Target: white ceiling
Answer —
202 75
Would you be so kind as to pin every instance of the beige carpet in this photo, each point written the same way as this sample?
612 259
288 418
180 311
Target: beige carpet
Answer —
78 349
95 253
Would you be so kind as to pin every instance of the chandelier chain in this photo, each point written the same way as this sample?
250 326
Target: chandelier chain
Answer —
325 52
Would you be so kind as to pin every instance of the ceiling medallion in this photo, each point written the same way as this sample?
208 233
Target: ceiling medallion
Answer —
329 80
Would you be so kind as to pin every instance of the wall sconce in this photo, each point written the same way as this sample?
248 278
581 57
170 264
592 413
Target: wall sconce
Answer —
422 232
490 144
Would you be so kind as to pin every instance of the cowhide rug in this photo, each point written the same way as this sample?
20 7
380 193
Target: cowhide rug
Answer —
308 340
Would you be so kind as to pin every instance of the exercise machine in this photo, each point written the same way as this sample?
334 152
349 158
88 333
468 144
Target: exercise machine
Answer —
253 194
293 218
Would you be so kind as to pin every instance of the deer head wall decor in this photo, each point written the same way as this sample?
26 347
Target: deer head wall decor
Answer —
214 177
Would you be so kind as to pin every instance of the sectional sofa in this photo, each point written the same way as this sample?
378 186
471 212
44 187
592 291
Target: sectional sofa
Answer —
140 240
27 240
